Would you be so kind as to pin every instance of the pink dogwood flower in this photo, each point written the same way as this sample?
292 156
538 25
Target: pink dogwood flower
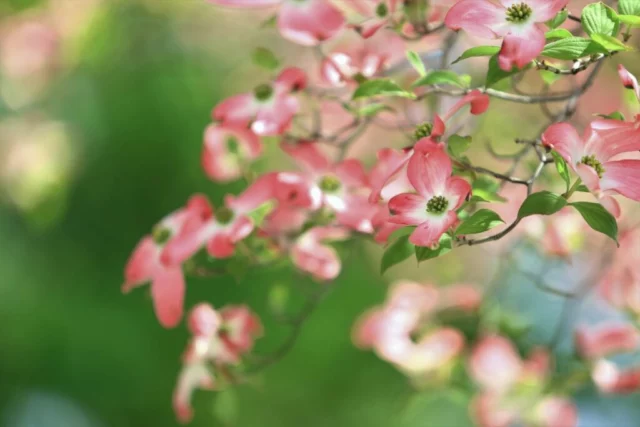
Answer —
604 340
226 226
311 254
306 22
195 374
513 390
228 149
594 157
269 109
439 195
167 280
629 80
517 22
609 378
341 187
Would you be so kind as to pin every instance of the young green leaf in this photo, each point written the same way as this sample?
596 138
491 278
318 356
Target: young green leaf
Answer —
598 18
558 33
629 7
572 48
549 77
616 115
481 221
598 218
610 43
495 73
542 203
381 87
258 215
485 190
443 77
558 20
396 252
457 145
423 253
562 168
478 51
265 58
416 62
372 110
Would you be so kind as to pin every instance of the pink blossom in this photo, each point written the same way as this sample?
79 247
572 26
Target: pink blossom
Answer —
513 390
195 374
307 22
620 284
604 340
227 225
629 80
269 110
516 22
341 188
609 378
377 14
228 150
311 254
146 263
433 209
594 157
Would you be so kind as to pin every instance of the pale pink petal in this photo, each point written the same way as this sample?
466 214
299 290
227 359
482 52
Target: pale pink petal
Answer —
434 350
167 291
415 297
357 214
192 377
240 228
296 190
390 163
429 232
351 173
457 191
489 412
370 27
477 17
274 117
589 177
495 364
308 156
242 327
366 330
608 138
556 411
478 101
218 162
429 172
311 256
309 22
629 80
408 209
204 321
292 79
544 10
221 246
258 193
610 379
521 47
611 205
237 110
605 340
142 264
564 138
622 176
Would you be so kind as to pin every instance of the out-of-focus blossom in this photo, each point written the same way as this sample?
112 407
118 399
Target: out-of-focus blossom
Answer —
604 340
306 22
310 252
433 209
167 280
611 379
620 284
595 157
401 332
218 338
269 109
228 150
629 80
513 390
518 23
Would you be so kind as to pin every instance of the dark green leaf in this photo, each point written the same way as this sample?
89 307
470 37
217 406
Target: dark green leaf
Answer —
479 222
582 189
598 18
478 51
443 77
424 253
542 203
457 145
563 170
598 218
572 48
495 73
381 87
558 20
416 62
396 252
264 58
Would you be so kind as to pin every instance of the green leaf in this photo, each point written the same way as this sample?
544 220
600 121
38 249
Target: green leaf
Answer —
444 246
610 43
443 77
457 145
558 20
479 222
416 62
265 58
549 77
396 252
225 406
371 110
495 73
616 115
598 18
260 213
381 87
270 22
486 190
629 7
598 218
542 203
563 170
558 33
630 20
582 189
478 51
572 48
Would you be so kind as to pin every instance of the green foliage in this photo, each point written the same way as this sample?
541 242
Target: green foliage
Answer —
486 190
598 18
444 246
381 87
447 407
610 43
558 20
479 222
399 250
265 58
478 51
562 168
226 406
630 20
542 203
572 48
558 33
629 7
495 73
457 145
416 62
443 77
598 218
260 213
